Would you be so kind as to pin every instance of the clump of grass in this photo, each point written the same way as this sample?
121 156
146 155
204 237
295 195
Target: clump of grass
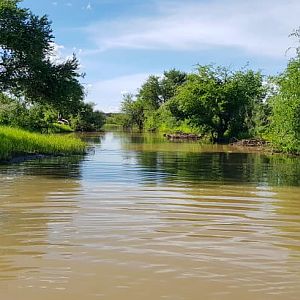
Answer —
15 142
60 128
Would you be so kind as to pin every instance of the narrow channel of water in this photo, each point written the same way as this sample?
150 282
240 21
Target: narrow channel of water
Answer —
142 218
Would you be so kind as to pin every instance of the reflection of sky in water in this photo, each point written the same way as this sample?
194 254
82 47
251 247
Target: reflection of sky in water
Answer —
110 163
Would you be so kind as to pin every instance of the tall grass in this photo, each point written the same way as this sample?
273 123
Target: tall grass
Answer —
15 142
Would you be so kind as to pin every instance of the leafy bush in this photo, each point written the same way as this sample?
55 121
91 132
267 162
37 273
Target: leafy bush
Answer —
285 116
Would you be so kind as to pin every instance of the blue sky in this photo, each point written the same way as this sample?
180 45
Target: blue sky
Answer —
120 43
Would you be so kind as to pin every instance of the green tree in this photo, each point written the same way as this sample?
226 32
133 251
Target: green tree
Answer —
88 119
56 85
26 44
220 101
25 41
285 116
155 91
12 112
158 90
17 113
150 93
133 111
169 83
285 106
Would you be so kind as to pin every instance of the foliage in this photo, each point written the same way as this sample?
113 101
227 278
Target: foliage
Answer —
114 120
156 91
16 113
134 112
219 101
140 110
14 142
26 68
56 85
150 93
44 118
11 111
284 130
88 119
214 100
39 88
169 83
164 121
285 116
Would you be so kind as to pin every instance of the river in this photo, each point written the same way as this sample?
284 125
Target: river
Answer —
142 218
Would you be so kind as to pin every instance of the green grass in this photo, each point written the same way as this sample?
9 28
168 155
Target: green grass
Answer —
60 128
16 142
107 126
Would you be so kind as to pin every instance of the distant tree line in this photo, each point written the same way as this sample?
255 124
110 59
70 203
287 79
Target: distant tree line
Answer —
220 104
35 90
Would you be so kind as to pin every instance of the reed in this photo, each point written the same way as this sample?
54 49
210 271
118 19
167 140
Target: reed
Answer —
17 142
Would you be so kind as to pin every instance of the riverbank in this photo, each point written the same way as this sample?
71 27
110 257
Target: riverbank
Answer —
16 143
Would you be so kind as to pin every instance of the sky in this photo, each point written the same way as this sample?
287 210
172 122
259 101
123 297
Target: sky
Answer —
121 42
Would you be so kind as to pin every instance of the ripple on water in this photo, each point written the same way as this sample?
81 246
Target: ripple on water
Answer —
128 221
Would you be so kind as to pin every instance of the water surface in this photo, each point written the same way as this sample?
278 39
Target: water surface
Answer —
141 218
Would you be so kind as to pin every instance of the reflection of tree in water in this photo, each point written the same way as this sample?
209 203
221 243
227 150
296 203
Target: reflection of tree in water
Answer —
136 138
93 138
255 198
225 167
145 138
274 181
284 171
29 203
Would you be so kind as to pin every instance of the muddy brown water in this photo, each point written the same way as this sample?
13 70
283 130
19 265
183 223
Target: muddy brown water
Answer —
143 218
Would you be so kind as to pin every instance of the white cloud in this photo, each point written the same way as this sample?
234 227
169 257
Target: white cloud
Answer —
69 4
54 3
57 53
60 54
258 27
108 93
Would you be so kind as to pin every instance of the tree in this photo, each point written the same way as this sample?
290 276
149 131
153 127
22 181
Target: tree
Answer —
16 113
150 93
285 115
220 101
134 112
26 43
171 80
158 90
11 111
56 85
155 91
88 119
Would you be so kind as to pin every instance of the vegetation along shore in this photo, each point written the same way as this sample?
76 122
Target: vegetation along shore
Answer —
39 93
17 142
220 105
